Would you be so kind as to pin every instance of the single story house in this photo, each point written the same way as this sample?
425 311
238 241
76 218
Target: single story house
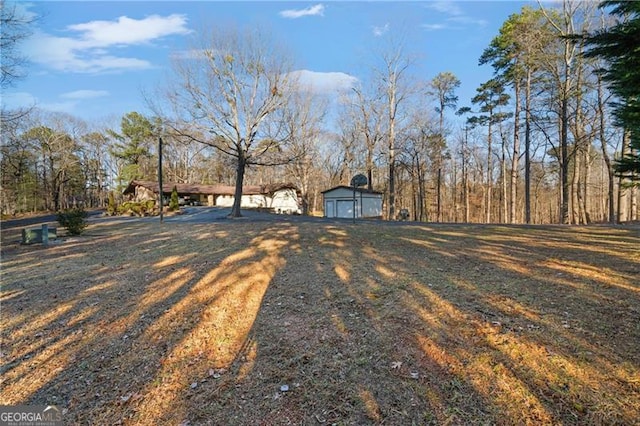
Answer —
339 202
281 198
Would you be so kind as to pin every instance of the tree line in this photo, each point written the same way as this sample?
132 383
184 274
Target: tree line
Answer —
552 137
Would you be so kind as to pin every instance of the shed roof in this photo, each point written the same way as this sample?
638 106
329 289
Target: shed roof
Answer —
194 188
350 188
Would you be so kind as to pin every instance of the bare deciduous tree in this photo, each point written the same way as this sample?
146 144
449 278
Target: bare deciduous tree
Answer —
366 110
302 119
227 88
393 80
14 29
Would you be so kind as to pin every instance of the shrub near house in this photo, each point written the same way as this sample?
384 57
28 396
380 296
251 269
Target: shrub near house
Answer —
75 220
174 203
133 208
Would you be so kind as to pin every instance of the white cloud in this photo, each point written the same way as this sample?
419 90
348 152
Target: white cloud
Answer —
467 20
16 100
128 31
68 102
19 100
317 10
90 50
378 31
324 82
66 106
85 94
446 7
188 54
455 18
434 27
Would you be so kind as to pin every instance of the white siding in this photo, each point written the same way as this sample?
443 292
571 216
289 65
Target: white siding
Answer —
285 201
224 200
339 193
372 207
247 201
339 203
329 208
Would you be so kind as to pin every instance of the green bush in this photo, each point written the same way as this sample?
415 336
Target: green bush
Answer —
132 208
141 208
75 220
174 204
112 208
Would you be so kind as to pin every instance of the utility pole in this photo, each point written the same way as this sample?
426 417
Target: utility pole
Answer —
160 177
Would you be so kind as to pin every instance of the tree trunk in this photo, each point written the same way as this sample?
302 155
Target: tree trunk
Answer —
392 187
465 176
488 190
585 183
438 191
414 190
421 191
237 198
503 178
392 157
577 213
369 169
564 162
516 154
622 190
527 151
605 155
454 189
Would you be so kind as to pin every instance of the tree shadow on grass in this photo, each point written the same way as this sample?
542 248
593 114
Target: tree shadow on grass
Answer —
545 332
435 326
336 334
126 339
363 324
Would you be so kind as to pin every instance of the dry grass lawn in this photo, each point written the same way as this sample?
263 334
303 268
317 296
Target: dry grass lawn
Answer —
260 323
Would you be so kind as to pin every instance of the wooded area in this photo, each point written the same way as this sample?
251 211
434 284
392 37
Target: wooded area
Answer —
538 144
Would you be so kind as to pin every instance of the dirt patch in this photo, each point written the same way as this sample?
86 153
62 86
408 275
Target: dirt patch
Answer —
305 323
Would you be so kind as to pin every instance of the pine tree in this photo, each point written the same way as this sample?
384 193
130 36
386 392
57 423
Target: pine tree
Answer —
618 45
133 146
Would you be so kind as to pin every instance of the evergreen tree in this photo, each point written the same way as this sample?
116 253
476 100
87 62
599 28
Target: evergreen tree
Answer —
491 96
618 45
133 146
174 204
515 55
442 88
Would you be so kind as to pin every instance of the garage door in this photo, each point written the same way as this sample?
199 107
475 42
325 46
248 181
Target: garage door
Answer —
345 208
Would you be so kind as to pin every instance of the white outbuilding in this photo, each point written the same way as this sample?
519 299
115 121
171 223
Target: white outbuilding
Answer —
339 202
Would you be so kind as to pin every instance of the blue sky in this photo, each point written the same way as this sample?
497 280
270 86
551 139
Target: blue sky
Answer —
93 59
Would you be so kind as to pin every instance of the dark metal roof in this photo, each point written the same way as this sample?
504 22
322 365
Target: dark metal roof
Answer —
194 188
350 188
